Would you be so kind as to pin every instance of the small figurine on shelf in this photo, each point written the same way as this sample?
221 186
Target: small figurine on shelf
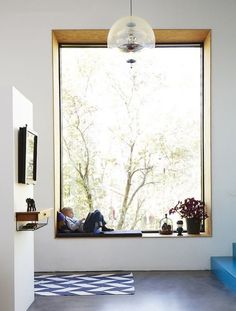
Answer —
166 226
180 227
30 205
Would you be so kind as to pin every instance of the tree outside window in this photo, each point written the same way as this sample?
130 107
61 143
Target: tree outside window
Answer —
131 137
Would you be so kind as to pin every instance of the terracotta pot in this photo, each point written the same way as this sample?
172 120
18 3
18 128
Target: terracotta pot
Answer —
193 225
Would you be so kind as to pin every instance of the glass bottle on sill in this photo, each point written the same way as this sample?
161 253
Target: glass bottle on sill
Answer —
166 226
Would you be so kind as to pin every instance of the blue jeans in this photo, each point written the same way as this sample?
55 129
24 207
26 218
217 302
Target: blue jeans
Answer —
93 222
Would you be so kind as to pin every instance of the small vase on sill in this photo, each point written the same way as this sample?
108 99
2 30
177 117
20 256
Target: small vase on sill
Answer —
193 225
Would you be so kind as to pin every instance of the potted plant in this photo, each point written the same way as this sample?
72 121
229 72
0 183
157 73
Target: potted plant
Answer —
194 212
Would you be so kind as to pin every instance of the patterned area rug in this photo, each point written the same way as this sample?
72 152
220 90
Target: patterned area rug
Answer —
84 284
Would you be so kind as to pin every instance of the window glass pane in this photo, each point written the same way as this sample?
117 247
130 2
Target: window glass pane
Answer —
131 137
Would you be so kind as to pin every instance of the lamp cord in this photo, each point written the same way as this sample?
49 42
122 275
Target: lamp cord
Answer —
131 7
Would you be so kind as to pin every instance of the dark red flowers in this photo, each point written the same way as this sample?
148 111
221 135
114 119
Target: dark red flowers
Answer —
190 208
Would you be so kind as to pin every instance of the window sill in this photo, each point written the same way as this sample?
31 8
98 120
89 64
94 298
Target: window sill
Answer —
144 235
174 235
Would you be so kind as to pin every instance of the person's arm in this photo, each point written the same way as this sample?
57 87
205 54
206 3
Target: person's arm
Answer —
73 224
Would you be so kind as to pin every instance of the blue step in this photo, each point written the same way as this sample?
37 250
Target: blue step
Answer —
234 249
225 270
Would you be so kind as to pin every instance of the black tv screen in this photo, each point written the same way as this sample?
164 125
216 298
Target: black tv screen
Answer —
27 156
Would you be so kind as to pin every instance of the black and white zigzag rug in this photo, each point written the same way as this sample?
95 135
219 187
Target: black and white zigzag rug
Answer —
84 284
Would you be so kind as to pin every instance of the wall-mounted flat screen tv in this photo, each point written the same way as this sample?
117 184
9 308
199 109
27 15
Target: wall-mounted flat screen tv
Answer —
27 156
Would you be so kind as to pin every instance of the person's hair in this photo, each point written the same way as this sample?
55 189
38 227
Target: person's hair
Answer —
66 209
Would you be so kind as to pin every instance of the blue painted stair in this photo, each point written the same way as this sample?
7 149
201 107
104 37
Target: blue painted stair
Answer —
225 269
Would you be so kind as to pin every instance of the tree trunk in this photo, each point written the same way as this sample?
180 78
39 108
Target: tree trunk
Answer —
125 203
88 196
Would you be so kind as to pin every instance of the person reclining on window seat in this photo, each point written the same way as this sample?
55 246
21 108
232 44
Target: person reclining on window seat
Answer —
94 222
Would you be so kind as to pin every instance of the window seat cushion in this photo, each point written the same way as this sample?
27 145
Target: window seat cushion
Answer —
115 233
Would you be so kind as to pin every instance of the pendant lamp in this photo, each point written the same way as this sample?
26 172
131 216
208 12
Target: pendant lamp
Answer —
131 34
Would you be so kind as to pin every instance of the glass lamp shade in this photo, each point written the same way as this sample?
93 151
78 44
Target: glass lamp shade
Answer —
131 34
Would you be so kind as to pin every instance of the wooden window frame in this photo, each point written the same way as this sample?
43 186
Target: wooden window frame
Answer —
163 36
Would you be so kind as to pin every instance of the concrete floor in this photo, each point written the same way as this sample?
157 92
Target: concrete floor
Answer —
155 291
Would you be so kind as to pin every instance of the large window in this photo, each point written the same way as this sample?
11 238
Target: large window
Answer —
131 134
